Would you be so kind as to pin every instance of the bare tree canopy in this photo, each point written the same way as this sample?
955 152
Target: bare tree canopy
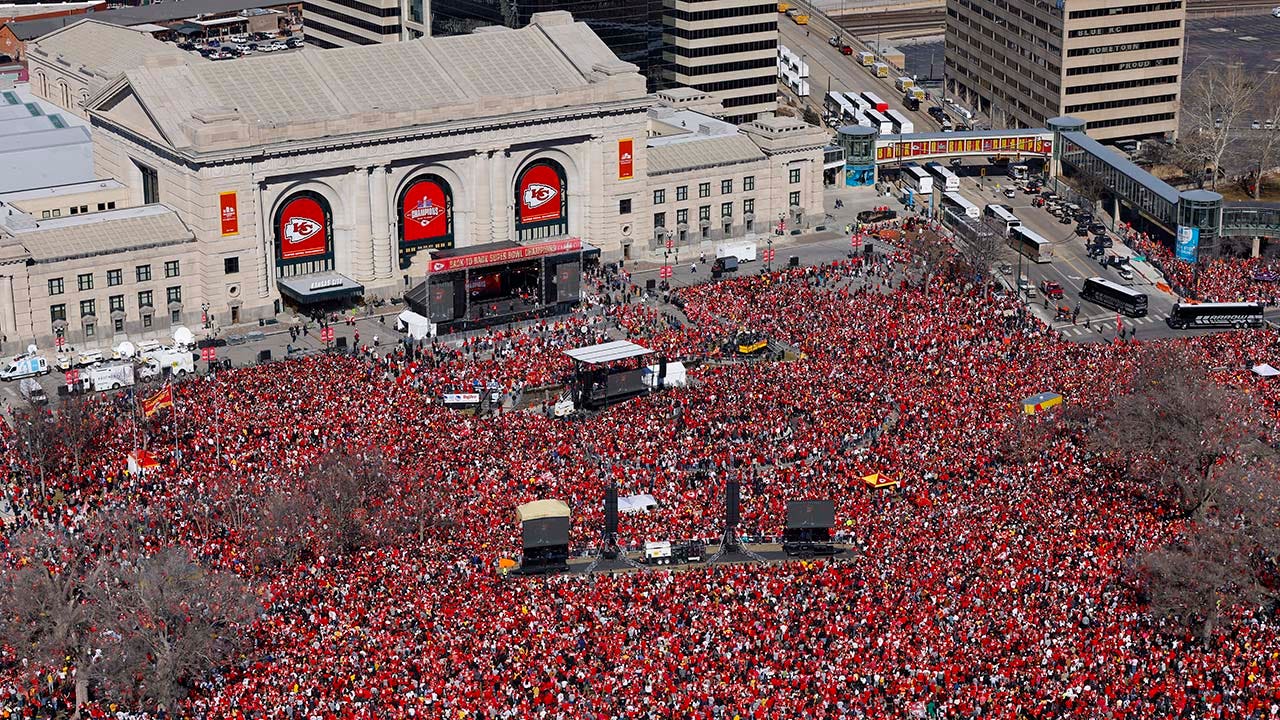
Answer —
1215 103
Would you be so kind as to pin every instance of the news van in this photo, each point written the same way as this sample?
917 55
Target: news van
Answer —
25 366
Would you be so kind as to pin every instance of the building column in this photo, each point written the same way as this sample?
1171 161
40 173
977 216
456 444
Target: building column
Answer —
356 227
500 206
1257 247
266 274
380 223
9 316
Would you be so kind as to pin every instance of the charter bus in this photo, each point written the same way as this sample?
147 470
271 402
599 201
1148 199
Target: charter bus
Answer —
874 100
949 181
917 178
901 124
1033 246
1003 218
1117 297
879 120
1216 315
957 201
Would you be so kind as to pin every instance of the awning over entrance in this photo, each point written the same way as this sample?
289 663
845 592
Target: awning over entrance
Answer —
319 287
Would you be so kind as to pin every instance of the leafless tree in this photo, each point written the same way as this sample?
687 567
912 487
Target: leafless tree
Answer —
347 487
284 526
1263 146
36 438
81 423
165 621
1090 185
978 254
1215 101
44 612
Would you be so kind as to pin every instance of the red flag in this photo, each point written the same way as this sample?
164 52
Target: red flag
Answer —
162 399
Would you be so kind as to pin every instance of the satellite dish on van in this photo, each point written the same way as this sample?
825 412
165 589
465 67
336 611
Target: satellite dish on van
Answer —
31 349
126 349
183 336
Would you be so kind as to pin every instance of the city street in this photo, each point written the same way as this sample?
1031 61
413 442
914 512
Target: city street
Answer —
829 70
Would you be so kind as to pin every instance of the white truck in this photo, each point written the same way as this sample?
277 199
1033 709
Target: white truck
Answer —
658 553
177 361
109 377
25 366
744 250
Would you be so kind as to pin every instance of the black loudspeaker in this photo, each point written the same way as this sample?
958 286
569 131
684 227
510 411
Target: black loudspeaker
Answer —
732 500
662 368
650 284
611 509
794 261
867 250
811 514
64 391
264 356
341 343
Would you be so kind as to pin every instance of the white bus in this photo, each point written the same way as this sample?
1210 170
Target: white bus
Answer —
874 100
917 178
1003 218
901 124
840 107
879 120
947 179
1031 245
957 201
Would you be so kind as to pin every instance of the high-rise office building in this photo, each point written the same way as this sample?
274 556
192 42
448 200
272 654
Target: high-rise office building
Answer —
1117 64
725 48
631 28
344 23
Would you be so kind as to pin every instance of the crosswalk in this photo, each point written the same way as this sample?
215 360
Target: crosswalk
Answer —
1103 325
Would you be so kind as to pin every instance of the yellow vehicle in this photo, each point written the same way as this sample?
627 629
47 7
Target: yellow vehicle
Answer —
783 7
801 19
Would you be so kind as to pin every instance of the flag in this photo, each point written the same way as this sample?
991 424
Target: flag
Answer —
162 399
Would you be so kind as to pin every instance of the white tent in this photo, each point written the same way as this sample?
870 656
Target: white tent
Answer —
415 325
1265 370
677 376
637 503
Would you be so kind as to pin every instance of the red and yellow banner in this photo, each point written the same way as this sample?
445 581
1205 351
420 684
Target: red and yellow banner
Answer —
626 161
907 149
157 402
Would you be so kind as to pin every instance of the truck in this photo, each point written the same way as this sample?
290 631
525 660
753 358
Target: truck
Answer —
904 83
744 250
32 392
866 59
783 7
109 377
662 552
25 366
176 361
658 553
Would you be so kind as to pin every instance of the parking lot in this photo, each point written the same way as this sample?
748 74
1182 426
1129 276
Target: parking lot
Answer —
241 45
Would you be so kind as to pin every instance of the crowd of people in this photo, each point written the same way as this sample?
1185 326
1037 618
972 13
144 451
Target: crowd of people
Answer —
986 585
1223 279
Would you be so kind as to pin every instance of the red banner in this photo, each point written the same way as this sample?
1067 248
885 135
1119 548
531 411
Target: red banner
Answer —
229 213
426 211
157 402
625 160
541 194
495 257
303 232
208 354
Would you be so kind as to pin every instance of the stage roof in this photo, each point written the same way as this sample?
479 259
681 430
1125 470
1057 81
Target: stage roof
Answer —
607 352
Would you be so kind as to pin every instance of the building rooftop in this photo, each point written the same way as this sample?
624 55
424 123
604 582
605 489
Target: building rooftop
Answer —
155 13
101 51
15 10
707 152
680 126
40 146
62 190
91 234
205 107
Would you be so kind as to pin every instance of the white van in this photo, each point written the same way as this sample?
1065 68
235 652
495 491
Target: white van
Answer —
109 377
32 392
744 250
25 366
176 361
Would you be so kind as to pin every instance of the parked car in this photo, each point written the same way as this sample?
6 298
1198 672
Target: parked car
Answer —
1098 228
1010 192
1065 218
1125 273
294 42
1026 288
846 50
1006 268
186 45
239 38
277 45
1103 241
1082 231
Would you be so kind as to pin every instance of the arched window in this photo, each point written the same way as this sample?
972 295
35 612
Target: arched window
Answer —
304 235
425 209
542 201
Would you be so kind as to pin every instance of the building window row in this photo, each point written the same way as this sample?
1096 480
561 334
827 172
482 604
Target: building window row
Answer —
768 62
360 7
736 83
722 49
1122 29
339 33
1120 67
1158 117
1125 102
706 33
742 100
1122 84
704 189
738 11
353 20
1125 47
1124 10
115 277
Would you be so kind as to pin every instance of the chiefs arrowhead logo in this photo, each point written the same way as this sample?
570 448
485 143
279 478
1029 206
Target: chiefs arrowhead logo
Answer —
300 229
437 266
538 194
